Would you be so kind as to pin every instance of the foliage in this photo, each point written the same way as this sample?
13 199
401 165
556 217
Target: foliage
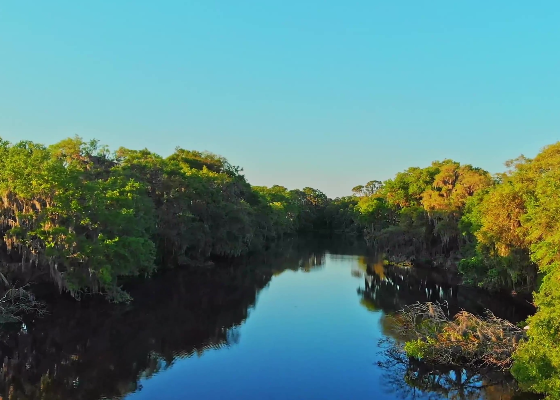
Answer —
537 364
418 213
516 229
86 217
61 211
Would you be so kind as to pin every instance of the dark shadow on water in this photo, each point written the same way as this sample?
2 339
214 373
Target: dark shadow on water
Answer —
91 350
389 288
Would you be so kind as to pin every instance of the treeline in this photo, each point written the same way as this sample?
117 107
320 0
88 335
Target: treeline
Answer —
504 231
85 217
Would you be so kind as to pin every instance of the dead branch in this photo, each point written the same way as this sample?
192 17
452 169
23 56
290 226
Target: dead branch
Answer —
19 301
465 340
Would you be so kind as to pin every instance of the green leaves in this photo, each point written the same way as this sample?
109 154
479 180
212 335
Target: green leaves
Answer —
517 228
421 209
79 217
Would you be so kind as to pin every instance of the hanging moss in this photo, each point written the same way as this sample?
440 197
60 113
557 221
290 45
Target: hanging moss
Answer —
86 218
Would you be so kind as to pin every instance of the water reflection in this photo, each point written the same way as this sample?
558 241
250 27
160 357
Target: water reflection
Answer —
410 379
92 350
389 288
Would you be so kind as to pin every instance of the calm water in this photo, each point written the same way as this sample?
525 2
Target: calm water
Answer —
304 322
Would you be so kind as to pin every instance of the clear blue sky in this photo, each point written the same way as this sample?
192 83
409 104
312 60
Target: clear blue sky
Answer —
328 94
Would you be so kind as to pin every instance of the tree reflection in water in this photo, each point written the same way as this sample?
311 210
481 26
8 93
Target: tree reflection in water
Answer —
93 350
389 288
411 379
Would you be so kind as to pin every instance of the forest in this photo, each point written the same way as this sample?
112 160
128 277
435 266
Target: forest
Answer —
85 219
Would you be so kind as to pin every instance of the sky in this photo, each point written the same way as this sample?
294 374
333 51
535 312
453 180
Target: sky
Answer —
327 94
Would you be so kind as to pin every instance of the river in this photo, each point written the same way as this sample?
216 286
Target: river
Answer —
305 321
